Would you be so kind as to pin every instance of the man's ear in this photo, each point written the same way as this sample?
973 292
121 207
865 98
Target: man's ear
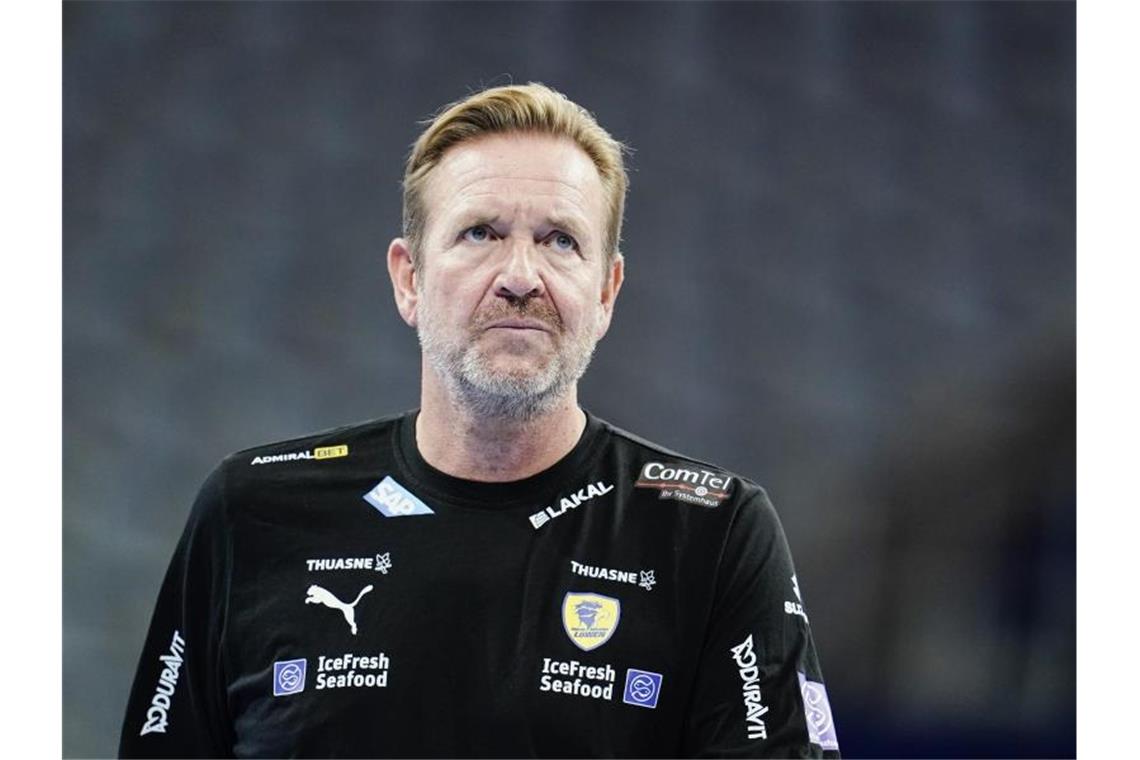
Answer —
403 274
611 285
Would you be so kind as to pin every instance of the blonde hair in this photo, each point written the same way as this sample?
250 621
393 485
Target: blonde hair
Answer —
532 107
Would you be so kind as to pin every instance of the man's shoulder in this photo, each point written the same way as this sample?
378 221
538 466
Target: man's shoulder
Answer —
321 446
659 466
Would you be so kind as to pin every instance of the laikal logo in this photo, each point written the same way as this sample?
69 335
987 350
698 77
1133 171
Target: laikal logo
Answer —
590 619
573 501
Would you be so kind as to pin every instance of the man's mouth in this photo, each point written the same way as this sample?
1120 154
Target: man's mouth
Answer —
521 323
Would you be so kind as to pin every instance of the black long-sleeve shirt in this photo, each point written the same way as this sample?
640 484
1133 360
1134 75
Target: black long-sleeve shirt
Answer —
335 595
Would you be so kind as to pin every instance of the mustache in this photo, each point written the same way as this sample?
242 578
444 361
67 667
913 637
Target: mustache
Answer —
529 308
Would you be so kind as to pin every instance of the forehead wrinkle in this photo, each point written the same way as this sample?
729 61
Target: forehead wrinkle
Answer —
578 192
565 213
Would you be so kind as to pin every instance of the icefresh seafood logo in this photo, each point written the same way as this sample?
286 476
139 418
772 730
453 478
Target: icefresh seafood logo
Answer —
289 676
642 688
590 619
157 717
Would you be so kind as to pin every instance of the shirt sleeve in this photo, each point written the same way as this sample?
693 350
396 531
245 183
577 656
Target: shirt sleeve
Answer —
759 691
177 703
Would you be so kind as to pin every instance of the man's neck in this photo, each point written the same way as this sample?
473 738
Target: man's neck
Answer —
453 440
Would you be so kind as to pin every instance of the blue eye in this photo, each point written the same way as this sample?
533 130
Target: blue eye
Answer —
477 234
562 242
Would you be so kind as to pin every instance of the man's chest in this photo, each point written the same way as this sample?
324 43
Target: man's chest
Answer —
456 631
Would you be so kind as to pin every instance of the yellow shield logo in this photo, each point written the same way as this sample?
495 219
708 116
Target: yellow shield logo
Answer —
590 619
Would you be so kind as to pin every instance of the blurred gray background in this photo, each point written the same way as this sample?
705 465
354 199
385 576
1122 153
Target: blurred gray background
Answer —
850 275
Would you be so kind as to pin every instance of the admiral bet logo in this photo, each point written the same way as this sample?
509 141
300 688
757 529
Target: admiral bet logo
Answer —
590 619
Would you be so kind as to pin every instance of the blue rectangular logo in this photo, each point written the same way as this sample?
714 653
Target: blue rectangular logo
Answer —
393 500
817 713
289 677
642 688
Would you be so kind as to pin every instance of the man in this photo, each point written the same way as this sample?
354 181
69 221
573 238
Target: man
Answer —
498 573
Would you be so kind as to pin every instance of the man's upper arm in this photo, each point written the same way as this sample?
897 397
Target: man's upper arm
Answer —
177 704
759 663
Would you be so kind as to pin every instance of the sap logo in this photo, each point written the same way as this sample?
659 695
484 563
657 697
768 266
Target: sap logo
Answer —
157 716
393 500
573 501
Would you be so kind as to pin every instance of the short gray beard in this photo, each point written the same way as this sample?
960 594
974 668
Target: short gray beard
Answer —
486 394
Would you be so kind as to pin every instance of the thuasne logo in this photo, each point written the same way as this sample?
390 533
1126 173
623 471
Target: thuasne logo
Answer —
157 717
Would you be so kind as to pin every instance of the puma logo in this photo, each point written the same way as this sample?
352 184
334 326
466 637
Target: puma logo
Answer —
318 595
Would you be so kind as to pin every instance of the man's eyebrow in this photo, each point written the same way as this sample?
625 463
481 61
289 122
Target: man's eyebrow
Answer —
475 218
568 223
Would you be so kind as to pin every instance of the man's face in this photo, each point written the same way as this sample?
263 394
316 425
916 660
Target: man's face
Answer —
512 292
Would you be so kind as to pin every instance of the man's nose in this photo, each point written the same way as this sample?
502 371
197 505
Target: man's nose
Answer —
519 276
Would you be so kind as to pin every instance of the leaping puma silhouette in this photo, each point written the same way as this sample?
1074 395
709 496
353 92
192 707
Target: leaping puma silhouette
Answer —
318 595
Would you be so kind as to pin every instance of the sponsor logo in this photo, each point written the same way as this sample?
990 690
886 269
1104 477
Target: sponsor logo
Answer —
157 716
796 608
590 619
685 482
642 688
643 578
318 595
381 563
573 501
578 679
289 677
744 655
393 500
324 452
817 712
350 671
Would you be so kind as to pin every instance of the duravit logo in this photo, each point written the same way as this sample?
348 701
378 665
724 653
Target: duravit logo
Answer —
393 500
157 717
